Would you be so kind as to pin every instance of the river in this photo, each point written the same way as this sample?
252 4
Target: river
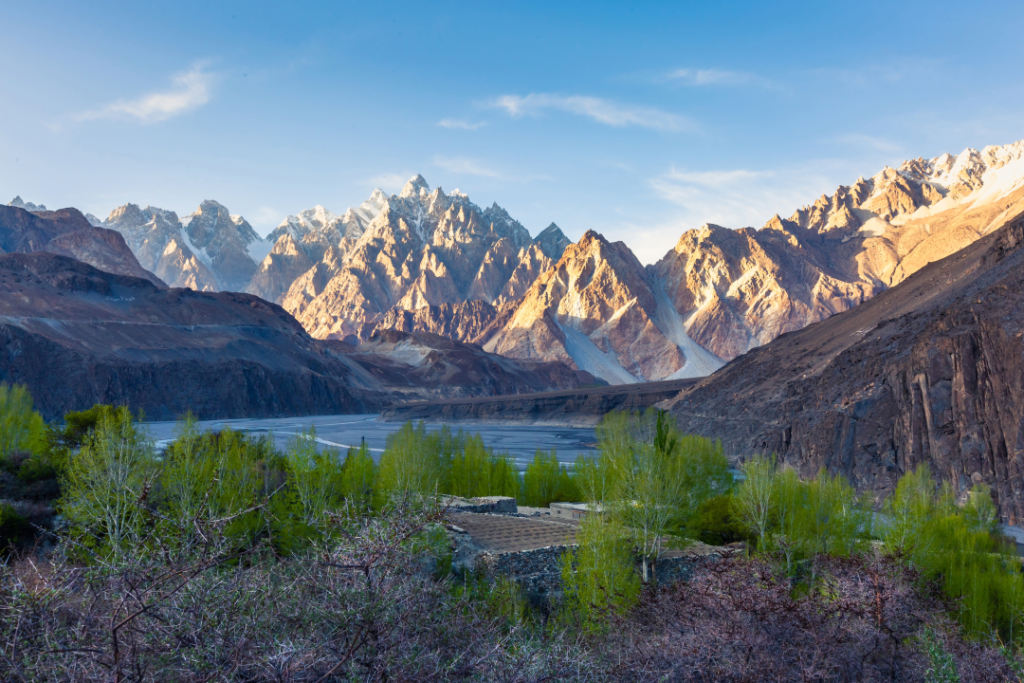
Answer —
342 431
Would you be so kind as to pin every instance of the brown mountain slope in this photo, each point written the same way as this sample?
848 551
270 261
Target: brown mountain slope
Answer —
931 370
77 336
68 233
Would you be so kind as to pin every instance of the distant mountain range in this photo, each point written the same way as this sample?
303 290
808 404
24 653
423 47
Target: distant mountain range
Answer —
426 261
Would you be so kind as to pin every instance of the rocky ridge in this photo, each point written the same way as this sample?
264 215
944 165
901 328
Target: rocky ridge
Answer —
68 233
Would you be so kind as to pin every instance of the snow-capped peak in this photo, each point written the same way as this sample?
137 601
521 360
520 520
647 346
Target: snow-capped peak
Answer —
18 203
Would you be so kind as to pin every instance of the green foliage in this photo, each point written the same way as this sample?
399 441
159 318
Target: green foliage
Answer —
716 522
317 478
417 461
941 665
798 519
78 425
223 479
107 483
654 479
477 471
546 481
959 547
21 428
359 478
599 578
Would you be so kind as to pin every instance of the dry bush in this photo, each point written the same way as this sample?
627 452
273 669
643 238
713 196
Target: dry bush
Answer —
742 620
365 609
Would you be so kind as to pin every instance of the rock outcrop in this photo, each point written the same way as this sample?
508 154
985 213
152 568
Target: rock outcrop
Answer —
68 233
931 370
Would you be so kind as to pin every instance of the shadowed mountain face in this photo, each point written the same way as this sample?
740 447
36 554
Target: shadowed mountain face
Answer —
68 233
77 336
931 370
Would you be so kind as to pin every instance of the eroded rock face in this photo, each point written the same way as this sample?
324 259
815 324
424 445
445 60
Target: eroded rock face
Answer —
931 370
156 237
225 241
67 232
599 299
422 249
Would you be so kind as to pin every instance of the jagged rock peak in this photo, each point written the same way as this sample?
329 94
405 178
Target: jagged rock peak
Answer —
415 187
552 242
18 203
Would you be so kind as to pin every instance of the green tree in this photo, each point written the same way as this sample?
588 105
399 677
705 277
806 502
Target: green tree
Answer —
106 485
359 478
599 577
418 462
316 476
755 497
21 427
546 481
657 478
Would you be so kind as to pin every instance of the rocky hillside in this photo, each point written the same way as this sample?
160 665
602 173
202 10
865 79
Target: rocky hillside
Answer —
931 370
68 233
76 335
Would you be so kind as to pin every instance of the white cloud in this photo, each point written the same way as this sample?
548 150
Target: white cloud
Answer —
189 90
711 77
601 110
460 124
861 140
389 182
464 166
737 198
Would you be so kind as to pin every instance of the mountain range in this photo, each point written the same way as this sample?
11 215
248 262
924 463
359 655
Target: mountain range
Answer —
427 261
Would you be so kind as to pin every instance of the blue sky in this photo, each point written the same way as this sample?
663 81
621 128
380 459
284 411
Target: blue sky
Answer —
637 120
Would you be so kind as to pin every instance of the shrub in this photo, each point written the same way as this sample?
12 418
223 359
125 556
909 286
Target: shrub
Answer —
21 428
716 523
13 527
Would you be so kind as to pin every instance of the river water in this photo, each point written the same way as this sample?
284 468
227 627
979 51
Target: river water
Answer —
342 431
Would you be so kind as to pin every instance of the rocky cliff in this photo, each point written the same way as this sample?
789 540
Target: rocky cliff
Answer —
931 370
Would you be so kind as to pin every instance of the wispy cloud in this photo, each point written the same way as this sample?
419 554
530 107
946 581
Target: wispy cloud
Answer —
465 166
189 90
712 77
601 110
389 182
459 124
736 198
861 140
